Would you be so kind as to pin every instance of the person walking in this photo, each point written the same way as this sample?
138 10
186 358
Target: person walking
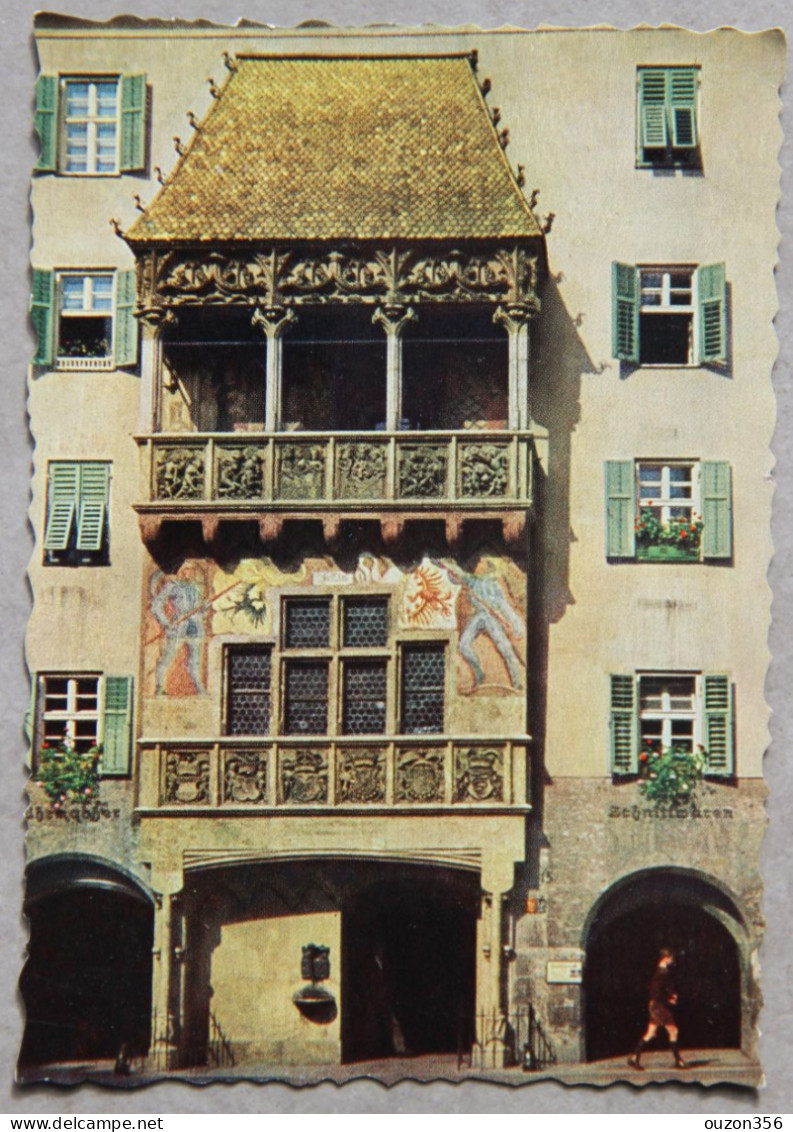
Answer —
663 997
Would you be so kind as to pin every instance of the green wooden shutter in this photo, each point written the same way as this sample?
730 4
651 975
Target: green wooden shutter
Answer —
117 734
46 123
712 297
624 731
625 311
716 510
94 482
29 723
133 122
682 97
620 509
42 309
61 504
126 328
718 725
652 108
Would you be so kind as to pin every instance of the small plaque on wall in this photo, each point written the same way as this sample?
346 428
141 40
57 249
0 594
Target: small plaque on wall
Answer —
564 971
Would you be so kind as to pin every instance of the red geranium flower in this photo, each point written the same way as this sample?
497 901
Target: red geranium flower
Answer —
643 757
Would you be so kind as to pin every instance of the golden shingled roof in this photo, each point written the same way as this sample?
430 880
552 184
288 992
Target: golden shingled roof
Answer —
342 148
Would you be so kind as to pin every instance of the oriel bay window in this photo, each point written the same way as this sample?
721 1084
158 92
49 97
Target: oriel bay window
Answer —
658 711
341 671
669 315
214 365
455 368
334 370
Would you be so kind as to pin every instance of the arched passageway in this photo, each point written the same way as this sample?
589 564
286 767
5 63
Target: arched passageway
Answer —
630 925
400 973
409 975
86 984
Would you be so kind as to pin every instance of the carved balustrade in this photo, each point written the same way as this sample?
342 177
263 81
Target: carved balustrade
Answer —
409 772
474 469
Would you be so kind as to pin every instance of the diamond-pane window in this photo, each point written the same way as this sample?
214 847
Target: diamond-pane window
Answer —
365 623
306 691
423 681
365 691
248 675
307 624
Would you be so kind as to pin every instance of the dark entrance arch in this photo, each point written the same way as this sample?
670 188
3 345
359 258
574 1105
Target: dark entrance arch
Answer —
86 984
409 963
628 928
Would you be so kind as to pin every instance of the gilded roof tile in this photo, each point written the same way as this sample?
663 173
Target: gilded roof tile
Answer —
342 148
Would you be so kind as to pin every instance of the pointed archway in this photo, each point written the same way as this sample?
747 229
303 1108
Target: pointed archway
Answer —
641 914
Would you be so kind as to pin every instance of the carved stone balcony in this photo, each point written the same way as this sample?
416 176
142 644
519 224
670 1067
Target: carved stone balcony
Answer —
413 773
213 477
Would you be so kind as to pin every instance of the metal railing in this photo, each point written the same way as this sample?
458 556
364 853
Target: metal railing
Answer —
219 1051
254 774
474 469
504 1039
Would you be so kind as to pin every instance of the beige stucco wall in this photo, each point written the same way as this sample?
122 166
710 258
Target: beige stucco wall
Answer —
257 1013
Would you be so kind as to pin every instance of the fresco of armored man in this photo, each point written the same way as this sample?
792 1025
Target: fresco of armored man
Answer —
485 609
178 605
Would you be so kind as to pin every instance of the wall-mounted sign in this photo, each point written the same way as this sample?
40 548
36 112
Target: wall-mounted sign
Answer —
564 971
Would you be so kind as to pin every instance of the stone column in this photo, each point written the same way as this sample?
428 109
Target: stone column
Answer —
515 319
273 321
152 323
393 318
162 1028
163 1049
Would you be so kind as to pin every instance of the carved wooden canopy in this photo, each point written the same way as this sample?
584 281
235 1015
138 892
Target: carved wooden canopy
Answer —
272 277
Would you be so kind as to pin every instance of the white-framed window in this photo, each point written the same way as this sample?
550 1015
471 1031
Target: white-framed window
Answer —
669 492
667 126
76 531
659 710
85 319
71 710
84 710
90 125
669 314
670 712
668 510
337 668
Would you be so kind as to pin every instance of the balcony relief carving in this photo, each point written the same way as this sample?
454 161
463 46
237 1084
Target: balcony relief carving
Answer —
419 776
304 777
240 473
478 774
484 470
301 471
362 471
422 471
273 276
361 776
179 473
187 778
245 777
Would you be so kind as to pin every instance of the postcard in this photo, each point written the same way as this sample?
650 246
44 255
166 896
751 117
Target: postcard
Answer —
402 411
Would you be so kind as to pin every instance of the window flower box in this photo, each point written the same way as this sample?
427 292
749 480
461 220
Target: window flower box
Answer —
670 775
678 540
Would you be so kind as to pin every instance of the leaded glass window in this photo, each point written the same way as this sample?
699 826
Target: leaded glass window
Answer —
423 687
248 683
